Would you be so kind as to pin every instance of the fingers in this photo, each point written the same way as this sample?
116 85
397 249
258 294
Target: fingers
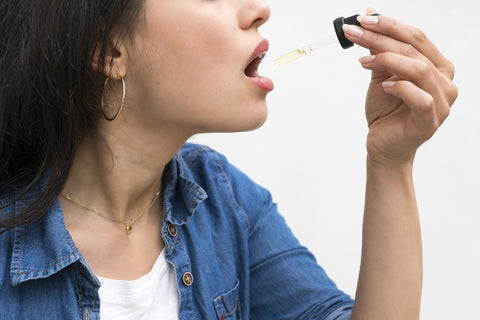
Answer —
427 92
411 89
381 34
425 115
378 43
371 11
420 73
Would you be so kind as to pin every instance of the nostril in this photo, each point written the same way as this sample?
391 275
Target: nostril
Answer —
254 14
258 22
255 23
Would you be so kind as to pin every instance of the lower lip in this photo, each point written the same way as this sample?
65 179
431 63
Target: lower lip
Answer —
262 82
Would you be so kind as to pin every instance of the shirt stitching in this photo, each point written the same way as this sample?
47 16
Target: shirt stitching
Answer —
278 255
199 195
80 295
192 157
21 250
234 309
231 192
188 265
46 268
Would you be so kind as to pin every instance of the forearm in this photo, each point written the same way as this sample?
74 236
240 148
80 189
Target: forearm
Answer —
408 98
390 279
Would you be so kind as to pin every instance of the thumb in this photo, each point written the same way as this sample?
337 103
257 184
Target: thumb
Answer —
371 11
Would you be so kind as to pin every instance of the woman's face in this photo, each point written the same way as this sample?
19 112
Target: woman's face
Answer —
190 65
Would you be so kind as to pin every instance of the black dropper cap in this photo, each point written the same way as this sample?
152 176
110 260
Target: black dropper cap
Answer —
338 23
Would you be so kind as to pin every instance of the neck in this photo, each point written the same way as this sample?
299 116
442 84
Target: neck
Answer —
118 172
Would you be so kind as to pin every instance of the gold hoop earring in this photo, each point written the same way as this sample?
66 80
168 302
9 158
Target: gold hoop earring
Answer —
103 103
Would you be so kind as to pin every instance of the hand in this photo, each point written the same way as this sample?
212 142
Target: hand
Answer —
411 90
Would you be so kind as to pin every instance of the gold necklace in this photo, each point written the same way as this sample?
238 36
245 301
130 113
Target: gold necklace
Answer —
127 223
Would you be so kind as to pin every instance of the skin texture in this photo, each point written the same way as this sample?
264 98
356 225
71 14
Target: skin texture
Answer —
184 74
410 95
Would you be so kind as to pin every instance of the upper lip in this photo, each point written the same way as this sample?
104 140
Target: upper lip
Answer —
260 50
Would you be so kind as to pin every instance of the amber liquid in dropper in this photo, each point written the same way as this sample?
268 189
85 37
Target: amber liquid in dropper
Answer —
286 58
304 50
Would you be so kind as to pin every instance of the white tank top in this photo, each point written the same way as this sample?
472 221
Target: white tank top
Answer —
153 296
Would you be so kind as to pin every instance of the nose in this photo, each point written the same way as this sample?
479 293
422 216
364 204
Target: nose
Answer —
253 13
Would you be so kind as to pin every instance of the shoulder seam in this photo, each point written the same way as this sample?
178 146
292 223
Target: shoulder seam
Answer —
231 191
191 157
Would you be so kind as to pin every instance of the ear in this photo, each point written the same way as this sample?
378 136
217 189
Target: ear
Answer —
115 64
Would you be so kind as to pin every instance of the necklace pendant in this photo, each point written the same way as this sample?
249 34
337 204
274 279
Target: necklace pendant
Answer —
128 228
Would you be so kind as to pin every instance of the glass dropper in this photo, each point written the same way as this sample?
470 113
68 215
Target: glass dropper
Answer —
322 43
304 50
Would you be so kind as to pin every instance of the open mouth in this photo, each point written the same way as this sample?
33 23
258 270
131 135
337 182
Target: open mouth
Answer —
251 70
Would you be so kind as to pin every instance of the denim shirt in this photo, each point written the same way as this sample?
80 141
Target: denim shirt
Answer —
233 254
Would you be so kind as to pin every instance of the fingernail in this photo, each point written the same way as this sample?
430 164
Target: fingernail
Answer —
353 31
369 20
367 59
388 84
371 9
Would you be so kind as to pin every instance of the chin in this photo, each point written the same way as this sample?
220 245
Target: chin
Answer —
259 123
250 120
251 117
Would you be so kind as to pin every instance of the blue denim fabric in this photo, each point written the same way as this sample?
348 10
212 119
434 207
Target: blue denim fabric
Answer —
245 261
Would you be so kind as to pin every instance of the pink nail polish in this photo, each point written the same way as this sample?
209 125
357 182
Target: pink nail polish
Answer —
369 20
353 30
367 59
388 84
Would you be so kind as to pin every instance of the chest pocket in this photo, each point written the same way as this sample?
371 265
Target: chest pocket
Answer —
227 305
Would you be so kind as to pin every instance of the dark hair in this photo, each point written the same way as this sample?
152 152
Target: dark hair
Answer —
49 93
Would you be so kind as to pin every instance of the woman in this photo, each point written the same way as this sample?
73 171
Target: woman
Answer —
106 212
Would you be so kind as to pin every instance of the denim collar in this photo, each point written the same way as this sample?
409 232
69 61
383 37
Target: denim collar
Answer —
44 247
182 195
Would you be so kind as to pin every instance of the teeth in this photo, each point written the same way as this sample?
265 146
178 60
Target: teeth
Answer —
261 55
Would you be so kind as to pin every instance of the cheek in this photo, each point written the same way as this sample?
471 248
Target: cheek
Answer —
192 72
209 55
197 42
201 71
190 42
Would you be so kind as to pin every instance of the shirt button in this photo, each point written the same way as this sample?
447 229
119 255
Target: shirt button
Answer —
172 230
187 279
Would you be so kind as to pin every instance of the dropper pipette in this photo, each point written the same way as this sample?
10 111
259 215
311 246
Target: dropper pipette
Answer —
322 43
304 50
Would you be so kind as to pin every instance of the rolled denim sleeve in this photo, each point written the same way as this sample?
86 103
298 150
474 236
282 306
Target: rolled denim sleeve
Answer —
342 313
286 281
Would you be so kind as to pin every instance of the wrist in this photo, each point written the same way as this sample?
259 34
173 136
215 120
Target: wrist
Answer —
390 166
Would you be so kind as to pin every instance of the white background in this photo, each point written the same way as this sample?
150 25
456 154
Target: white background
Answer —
311 152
